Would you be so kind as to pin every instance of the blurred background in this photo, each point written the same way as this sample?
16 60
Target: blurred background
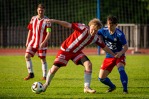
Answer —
15 15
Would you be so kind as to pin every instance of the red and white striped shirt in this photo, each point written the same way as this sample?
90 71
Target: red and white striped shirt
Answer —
38 29
79 39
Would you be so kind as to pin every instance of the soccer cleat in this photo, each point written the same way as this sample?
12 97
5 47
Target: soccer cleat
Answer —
125 92
44 87
89 90
30 75
43 78
111 89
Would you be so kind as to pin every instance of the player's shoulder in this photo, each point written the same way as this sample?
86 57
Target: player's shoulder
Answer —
119 32
103 30
45 17
81 26
33 17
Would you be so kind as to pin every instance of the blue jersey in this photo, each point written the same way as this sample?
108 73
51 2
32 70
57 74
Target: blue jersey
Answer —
114 41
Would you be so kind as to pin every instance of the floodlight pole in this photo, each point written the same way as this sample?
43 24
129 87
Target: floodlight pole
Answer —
98 16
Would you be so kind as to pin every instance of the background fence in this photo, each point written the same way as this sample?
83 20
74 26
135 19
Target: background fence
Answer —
133 17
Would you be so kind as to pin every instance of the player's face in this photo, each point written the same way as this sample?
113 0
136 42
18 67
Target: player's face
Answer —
111 26
93 30
40 12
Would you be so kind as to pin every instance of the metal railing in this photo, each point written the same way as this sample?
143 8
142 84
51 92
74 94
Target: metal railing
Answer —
15 37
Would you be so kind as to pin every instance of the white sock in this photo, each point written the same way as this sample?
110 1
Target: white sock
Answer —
49 77
29 66
87 79
44 69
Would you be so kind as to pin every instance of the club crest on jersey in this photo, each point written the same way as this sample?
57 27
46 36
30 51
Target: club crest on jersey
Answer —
61 56
115 39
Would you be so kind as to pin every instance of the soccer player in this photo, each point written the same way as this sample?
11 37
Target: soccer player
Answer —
116 41
38 36
71 50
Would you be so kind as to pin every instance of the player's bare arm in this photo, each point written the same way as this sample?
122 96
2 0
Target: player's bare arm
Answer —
119 54
62 23
108 51
45 40
28 37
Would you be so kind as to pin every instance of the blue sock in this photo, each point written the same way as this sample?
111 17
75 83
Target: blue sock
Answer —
107 81
123 77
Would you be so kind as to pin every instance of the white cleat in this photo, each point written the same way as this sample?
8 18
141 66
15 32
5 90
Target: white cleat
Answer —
44 87
89 90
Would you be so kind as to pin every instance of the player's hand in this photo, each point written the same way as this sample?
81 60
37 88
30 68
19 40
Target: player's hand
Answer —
26 44
118 55
42 45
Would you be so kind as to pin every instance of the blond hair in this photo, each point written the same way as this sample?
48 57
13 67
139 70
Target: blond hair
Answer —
96 22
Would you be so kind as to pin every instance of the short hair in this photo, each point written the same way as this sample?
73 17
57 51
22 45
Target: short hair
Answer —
113 19
41 6
96 22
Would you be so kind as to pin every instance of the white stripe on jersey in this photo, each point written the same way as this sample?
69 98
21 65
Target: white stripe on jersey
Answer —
82 44
76 58
76 40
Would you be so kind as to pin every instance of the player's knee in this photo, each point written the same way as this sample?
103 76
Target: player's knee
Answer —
89 64
27 57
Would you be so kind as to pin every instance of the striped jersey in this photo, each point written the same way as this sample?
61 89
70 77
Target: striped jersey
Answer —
80 38
38 29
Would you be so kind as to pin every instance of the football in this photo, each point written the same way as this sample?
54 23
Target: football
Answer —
37 87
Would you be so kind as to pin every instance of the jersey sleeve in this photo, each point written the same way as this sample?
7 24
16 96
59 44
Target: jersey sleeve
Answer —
78 26
122 38
48 25
99 41
29 27
30 23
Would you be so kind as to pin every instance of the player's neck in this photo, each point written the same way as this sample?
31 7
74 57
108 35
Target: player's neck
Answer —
112 31
40 17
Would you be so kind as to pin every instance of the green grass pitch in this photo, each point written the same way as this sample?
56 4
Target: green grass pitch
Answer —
68 81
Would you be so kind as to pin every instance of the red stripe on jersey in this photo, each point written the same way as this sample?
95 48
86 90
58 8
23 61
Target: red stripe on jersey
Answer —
39 32
34 31
79 39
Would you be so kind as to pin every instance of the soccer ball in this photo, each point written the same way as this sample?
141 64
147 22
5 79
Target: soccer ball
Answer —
37 87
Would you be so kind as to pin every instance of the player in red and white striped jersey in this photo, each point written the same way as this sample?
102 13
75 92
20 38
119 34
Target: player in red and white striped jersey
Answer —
71 49
38 36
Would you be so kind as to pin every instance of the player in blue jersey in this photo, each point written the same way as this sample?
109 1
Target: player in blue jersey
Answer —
115 39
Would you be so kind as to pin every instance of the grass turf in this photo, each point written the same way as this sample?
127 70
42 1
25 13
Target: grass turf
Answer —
68 81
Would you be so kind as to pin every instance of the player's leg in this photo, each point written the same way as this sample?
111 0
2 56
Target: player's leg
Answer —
61 60
103 77
44 68
29 53
123 76
50 76
42 56
87 73
105 70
